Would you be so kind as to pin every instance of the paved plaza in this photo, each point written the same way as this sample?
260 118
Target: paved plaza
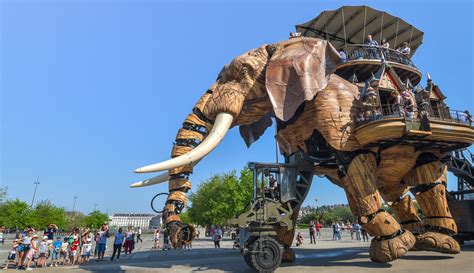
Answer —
325 256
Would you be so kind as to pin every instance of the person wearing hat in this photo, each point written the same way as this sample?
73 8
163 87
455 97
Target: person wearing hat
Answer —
86 250
56 251
43 246
31 253
12 254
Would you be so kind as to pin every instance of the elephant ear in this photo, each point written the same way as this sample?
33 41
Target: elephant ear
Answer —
252 132
297 70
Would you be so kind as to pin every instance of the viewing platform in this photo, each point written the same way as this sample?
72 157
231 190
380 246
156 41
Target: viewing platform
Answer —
449 128
364 60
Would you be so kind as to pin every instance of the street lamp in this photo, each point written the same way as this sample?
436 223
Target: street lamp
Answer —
34 193
74 205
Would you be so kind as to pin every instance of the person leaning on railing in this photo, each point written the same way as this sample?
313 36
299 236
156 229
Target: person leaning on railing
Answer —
372 48
343 56
397 106
409 104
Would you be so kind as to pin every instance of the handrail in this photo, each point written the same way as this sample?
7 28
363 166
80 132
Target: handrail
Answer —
369 52
392 111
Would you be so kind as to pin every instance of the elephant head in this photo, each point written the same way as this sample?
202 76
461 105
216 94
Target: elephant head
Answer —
270 81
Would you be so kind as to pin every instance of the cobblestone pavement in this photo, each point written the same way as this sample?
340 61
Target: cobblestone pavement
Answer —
325 256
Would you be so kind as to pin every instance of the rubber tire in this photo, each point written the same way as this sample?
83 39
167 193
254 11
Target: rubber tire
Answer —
270 246
247 259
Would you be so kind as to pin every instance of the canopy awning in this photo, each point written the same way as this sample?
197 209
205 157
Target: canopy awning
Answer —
351 25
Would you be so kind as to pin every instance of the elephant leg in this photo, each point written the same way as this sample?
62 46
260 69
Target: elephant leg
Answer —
403 207
429 187
390 242
286 237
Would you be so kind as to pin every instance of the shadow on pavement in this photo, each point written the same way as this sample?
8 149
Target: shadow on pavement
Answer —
232 261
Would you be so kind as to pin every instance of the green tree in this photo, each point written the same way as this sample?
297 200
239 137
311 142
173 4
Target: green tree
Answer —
221 198
343 214
95 219
328 218
184 216
75 219
16 214
46 213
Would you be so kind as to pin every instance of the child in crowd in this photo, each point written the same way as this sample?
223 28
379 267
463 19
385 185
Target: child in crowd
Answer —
299 239
42 252
11 254
73 250
32 252
64 251
56 251
86 251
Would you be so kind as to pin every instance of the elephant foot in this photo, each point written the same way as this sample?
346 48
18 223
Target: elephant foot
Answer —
438 242
386 250
181 233
288 255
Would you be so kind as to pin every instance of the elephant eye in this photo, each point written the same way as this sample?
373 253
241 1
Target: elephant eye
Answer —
244 71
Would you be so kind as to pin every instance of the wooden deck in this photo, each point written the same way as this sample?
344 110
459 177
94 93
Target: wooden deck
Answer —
395 128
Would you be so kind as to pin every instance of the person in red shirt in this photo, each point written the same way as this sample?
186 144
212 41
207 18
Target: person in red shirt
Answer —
318 230
73 251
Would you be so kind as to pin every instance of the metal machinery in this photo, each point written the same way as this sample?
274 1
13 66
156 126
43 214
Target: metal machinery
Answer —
461 202
271 212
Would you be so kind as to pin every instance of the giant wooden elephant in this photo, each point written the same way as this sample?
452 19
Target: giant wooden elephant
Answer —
294 82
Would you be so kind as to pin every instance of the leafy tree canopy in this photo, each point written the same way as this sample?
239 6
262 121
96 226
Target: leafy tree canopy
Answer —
95 219
16 214
221 197
46 213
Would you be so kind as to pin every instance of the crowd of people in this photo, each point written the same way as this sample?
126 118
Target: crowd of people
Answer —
355 229
374 50
52 249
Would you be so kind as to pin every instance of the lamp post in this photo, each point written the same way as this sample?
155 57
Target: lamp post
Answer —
74 205
34 193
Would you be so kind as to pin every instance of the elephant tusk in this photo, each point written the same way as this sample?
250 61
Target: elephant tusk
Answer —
152 181
221 126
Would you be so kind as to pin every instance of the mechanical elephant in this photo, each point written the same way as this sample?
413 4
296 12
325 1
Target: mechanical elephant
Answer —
294 83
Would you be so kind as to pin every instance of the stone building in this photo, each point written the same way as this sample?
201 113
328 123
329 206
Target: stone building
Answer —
145 221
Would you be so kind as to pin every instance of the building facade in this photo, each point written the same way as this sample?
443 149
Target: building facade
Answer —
135 220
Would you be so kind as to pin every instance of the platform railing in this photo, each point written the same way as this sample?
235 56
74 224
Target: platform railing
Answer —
367 52
391 111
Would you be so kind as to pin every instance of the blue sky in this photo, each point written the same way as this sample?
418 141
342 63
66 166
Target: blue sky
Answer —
91 90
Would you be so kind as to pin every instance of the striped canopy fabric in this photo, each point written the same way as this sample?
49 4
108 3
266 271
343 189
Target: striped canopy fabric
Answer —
351 24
